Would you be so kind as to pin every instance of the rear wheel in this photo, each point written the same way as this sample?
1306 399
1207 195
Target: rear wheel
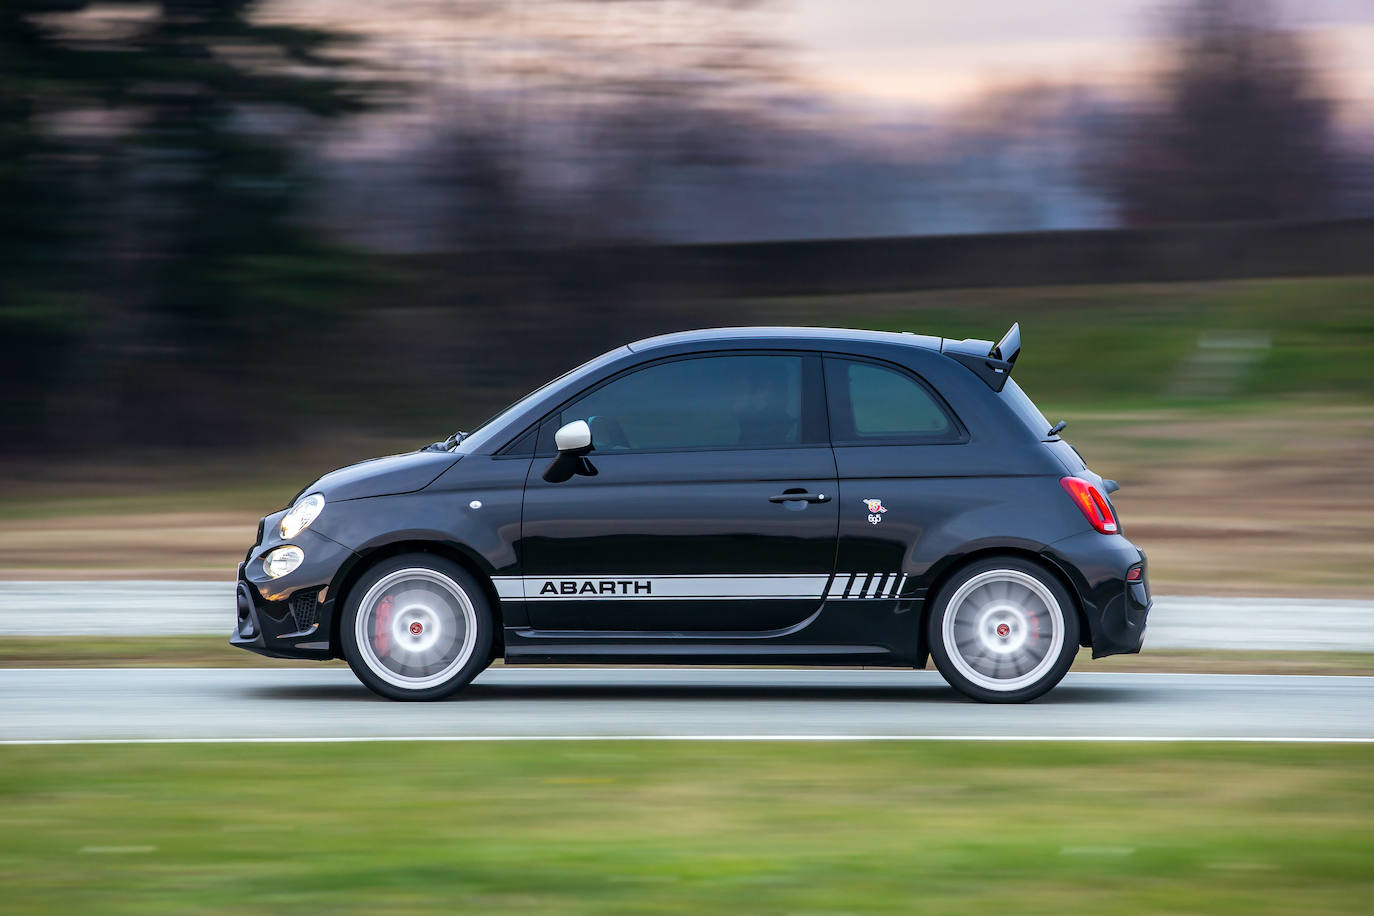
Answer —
416 627
1003 631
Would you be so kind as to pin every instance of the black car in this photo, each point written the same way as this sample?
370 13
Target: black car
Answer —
778 496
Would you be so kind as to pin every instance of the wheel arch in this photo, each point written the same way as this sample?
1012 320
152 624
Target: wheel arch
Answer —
943 577
361 562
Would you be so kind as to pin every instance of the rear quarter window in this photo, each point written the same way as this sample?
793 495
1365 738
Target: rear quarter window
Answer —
876 404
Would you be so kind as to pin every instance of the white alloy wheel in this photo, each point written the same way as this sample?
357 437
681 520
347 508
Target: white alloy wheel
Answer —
1007 631
415 629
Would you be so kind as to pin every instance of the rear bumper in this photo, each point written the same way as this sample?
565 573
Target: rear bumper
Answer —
1116 610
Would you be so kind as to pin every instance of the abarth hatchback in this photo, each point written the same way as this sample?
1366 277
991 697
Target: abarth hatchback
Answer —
742 496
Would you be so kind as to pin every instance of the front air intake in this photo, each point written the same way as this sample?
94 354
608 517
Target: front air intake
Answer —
306 609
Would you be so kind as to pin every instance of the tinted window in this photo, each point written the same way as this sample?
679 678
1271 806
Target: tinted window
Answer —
869 402
705 402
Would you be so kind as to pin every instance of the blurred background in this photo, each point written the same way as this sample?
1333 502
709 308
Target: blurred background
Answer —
244 242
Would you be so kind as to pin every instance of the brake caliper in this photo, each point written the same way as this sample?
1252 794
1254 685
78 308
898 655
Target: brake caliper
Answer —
381 628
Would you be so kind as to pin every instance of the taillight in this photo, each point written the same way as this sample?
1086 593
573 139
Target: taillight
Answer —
1092 504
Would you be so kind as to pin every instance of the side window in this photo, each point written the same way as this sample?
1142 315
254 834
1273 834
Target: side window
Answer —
745 401
873 403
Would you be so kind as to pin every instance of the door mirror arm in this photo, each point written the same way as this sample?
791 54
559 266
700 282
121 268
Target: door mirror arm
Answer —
574 441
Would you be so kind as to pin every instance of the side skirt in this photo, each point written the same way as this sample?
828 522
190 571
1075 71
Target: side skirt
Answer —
853 632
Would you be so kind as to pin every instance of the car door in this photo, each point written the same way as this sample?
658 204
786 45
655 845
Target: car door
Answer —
709 506
900 456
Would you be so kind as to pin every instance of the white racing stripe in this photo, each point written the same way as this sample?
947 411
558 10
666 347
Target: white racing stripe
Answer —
784 586
727 587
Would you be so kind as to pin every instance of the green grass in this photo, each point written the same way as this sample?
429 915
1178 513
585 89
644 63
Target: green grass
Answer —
612 827
136 652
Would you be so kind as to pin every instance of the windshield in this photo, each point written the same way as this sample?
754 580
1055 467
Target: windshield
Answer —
1025 409
495 426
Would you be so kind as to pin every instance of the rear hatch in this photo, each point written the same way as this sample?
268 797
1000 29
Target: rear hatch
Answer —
1050 435
993 362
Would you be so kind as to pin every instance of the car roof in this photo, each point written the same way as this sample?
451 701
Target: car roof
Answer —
809 335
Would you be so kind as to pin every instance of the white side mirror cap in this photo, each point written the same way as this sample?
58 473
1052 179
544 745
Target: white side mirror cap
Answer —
573 437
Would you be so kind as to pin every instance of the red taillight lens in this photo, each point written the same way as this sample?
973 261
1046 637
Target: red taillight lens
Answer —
1135 574
1092 504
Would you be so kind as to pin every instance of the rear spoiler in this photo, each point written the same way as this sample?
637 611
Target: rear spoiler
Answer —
991 362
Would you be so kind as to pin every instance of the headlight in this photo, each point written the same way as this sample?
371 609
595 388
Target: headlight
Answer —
299 517
281 561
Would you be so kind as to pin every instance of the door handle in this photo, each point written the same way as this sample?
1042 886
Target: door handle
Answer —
799 497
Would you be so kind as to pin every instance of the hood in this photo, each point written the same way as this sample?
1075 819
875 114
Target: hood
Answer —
383 476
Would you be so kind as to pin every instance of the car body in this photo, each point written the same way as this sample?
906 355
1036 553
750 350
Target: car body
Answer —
795 496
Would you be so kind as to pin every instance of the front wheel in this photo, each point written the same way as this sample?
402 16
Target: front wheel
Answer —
1003 631
416 627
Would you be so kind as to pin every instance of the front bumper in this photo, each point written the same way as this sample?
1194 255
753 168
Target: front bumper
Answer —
285 617
1116 609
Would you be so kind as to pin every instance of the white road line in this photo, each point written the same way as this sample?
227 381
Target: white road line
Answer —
814 739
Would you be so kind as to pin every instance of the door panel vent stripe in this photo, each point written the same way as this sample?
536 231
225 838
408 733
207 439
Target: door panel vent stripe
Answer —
870 585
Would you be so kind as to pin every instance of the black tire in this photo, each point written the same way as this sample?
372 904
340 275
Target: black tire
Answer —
988 630
425 629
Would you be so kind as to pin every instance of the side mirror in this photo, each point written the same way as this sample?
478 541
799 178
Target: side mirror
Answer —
574 437
573 441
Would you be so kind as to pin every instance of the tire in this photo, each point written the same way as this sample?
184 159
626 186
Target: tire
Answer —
416 627
1003 630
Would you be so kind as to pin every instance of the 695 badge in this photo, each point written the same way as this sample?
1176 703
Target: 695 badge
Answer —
875 510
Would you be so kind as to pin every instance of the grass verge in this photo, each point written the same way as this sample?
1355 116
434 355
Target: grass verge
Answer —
215 652
133 652
618 827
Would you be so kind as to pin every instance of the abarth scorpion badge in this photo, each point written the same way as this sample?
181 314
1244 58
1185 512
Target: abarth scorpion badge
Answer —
875 510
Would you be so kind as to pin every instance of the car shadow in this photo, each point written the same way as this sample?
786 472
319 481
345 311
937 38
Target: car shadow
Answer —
1064 694
812 693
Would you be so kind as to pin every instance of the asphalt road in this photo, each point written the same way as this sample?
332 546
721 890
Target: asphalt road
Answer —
323 703
151 608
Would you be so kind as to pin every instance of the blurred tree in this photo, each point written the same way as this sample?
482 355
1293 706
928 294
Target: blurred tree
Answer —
554 122
39 213
1240 128
173 123
228 280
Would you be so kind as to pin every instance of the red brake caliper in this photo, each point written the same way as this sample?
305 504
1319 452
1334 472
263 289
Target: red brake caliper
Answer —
381 629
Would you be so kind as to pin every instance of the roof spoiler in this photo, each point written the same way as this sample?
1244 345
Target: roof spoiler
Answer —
991 362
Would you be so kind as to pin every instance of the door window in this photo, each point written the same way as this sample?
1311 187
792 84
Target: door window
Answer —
870 403
711 402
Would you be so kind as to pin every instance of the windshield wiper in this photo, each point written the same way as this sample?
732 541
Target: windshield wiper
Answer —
448 444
